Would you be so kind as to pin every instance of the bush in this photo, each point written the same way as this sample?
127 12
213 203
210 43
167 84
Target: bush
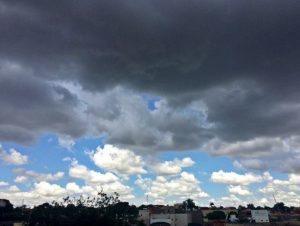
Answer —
216 215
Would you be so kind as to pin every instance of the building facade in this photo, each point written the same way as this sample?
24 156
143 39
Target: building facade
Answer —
153 218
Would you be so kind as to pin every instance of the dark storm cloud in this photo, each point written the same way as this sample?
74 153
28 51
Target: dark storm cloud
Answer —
30 106
165 47
240 58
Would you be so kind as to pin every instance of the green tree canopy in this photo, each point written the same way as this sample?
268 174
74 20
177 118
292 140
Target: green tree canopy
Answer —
189 204
216 215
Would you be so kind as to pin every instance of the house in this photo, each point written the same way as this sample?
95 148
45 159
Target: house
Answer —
168 216
260 216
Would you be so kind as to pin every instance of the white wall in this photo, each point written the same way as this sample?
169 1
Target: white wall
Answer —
260 215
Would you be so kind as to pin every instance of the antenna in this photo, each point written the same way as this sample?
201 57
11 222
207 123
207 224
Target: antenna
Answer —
274 199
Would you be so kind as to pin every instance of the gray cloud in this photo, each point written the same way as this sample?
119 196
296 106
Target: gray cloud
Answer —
31 106
239 59
166 47
124 117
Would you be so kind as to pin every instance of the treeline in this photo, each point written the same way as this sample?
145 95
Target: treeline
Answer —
90 211
279 207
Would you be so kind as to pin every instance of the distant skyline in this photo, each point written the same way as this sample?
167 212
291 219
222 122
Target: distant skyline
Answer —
167 99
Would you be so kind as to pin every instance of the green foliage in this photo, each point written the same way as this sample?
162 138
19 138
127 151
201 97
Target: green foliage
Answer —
7 206
243 219
6 212
189 204
216 215
90 211
251 206
280 206
212 205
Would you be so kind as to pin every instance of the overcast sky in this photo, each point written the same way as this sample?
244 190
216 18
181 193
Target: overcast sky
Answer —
167 99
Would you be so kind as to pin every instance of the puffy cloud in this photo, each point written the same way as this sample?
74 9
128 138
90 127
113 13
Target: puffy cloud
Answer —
17 198
286 191
294 187
233 178
267 176
294 178
90 176
172 167
290 198
144 183
96 182
232 200
120 161
267 189
23 175
276 185
40 192
46 192
239 190
13 188
12 157
45 189
184 186
20 179
3 183
73 188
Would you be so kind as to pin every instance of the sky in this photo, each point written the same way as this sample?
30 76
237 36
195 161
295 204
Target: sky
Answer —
159 101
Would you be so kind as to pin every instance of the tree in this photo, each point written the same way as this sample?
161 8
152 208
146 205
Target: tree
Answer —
240 207
216 215
280 206
5 206
6 210
100 210
123 213
189 204
250 206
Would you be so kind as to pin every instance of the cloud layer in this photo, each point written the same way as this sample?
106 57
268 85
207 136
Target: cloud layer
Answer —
213 76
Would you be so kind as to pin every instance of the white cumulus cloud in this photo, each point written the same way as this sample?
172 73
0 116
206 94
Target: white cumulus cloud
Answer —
239 190
90 176
172 167
120 161
12 157
3 183
233 178
186 185
24 175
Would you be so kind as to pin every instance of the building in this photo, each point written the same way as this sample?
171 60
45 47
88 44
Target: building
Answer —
260 216
227 211
169 217
144 215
